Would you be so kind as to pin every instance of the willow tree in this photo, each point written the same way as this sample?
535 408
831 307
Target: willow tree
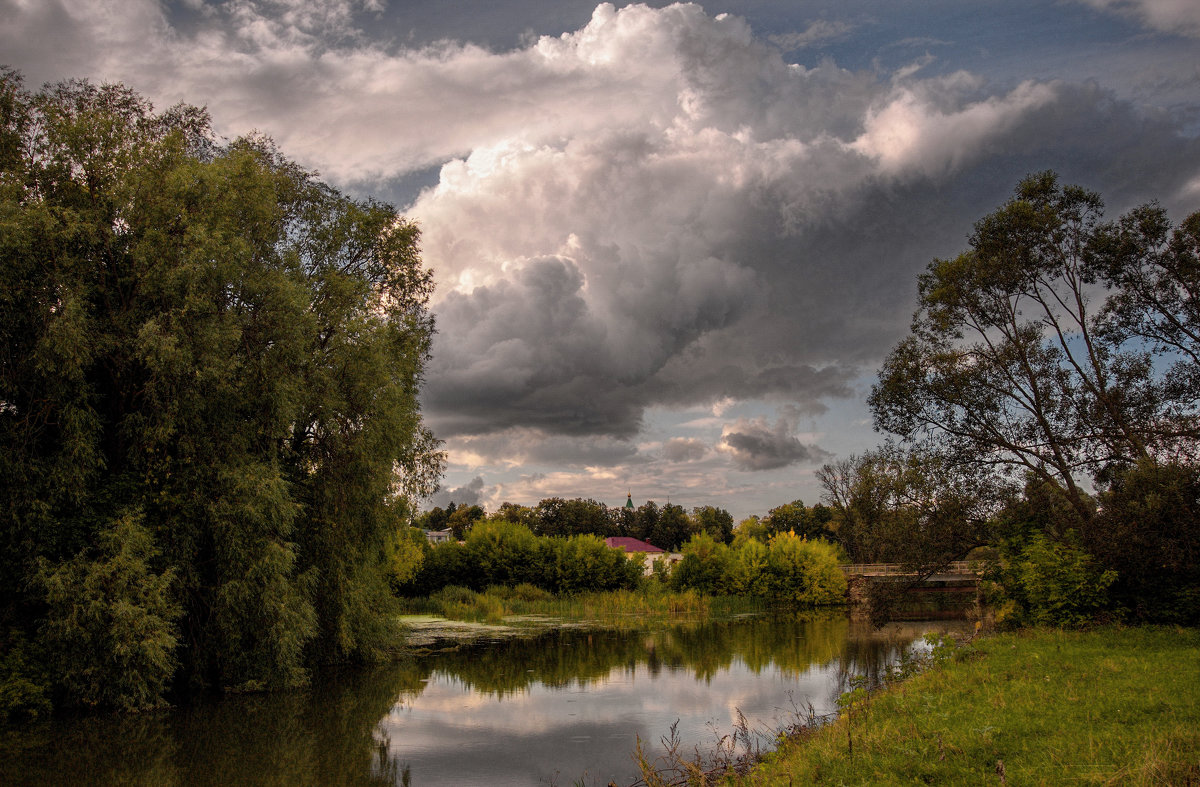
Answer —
209 367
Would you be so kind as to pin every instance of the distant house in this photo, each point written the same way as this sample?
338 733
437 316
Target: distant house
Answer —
439 536
640 550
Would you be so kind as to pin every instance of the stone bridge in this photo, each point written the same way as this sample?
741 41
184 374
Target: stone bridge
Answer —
950 593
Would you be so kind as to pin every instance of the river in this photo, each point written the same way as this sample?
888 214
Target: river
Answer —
566 706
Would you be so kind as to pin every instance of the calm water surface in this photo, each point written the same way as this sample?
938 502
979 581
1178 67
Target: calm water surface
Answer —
560 708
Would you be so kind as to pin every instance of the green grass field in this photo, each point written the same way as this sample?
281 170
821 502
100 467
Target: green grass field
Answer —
1107 706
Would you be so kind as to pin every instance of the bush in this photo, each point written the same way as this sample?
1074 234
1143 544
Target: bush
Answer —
748 572
1148 531
445 565
502 553
804 572
705 566
790 569
585 563
1051 583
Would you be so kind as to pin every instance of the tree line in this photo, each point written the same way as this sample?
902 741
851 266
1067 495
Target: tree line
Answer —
667 527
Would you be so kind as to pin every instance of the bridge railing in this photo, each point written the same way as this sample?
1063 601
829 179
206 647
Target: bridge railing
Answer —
972 567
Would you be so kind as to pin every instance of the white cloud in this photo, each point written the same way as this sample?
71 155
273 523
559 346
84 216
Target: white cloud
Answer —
1171 16
819 32
912 130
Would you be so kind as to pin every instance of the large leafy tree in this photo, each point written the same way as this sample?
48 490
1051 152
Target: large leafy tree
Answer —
1023 353
795 517
556 516
908 506
209 362
717 522
1061 349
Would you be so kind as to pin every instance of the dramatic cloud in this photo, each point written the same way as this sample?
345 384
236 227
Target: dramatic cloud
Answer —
756 445
656 211
732 227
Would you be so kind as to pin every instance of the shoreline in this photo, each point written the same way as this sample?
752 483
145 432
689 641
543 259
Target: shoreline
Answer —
1028 707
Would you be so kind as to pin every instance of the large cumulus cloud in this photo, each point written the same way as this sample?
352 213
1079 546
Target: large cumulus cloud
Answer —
656 210
702 220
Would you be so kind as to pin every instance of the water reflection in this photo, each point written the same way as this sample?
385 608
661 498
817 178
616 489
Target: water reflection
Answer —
565 706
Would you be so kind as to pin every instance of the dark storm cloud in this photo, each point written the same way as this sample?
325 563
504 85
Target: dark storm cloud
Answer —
755 445
469 494
788 294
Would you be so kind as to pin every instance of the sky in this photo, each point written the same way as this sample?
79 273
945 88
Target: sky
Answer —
672 242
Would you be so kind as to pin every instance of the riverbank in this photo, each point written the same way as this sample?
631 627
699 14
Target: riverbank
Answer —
457 616
531 606
1111 705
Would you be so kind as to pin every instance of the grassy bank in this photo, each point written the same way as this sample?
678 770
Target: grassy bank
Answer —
610 608
1109 706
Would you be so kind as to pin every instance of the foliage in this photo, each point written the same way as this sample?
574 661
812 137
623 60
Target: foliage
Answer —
110 624
462 519
458 519
406 557
795 517
24 681
907 506
717 522
747 573
789 570
507 554
804 572
672 529
204 334
1012 363
705 566
586 563
502 553
558 517
1051 583
1148 531
749 528
522 515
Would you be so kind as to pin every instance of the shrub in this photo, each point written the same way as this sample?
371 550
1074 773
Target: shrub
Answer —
1052 583
705 566
1148 531
748 574
503 553
804 572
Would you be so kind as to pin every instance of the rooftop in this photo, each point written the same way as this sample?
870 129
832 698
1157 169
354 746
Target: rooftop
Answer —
631 544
